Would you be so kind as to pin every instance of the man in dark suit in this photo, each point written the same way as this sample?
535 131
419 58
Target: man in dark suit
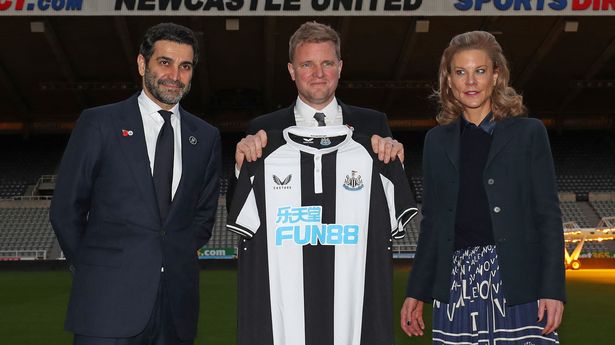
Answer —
316 66
135 198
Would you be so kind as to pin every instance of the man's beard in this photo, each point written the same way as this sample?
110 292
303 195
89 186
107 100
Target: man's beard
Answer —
155 87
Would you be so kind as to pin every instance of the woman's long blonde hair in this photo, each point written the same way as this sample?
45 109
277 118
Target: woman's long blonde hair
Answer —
505 101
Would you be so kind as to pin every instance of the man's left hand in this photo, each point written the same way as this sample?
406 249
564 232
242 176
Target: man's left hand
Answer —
554 310
388 149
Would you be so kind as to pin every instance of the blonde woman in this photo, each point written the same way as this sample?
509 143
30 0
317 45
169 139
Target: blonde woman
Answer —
490 252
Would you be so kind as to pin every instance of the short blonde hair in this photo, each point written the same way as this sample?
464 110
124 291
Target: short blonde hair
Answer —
313 32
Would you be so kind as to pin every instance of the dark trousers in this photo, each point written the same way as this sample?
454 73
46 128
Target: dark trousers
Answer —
159 330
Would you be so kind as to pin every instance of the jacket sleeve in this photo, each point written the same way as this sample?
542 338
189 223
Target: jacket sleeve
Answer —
72 196
208 198
422 276
232 179
547 215
385 131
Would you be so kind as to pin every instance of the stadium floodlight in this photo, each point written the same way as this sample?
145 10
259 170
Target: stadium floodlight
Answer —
593 84
422 25
571 26
37 27
388 84
232 24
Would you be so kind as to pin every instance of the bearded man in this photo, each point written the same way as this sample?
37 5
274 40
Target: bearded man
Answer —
135 198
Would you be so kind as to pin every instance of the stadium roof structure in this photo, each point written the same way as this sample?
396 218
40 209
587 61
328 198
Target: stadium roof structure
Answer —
52 67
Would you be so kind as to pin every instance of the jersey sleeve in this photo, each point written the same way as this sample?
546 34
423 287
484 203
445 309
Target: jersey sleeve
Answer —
243 218
401 203
247 205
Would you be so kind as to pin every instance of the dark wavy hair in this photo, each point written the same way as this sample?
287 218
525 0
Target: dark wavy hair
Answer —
313 32
505 101
168 32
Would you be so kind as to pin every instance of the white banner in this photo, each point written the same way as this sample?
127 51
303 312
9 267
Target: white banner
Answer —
306 7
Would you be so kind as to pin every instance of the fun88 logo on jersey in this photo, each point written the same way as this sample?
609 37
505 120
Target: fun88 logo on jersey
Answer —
302 225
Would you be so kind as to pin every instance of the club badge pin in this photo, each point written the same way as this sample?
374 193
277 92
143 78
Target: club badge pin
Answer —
192 140
127 133
325 141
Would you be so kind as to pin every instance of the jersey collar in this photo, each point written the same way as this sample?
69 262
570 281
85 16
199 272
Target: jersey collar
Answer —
317 132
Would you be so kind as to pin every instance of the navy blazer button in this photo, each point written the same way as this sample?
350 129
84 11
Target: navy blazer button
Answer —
496 209
162 232
490 181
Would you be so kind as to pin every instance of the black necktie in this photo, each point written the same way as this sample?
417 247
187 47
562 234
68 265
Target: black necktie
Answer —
320 118
163 165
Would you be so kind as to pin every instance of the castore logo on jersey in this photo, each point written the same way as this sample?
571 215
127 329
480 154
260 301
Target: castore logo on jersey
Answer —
282 184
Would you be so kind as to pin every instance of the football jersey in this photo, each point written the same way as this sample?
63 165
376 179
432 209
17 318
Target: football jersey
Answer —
318 214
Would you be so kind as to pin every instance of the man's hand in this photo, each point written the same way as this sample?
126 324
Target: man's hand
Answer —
250 148
412 317
387 149
554 309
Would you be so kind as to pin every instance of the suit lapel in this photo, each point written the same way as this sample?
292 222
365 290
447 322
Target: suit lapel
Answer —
451 142
347 115
135 150
501 136
290 119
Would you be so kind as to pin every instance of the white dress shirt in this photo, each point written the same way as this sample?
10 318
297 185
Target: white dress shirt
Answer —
152 123
304 114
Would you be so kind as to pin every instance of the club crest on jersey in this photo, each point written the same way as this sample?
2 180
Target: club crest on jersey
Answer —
282 184
354 182
325 142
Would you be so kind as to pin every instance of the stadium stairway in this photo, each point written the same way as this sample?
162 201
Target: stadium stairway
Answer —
55 251
590 214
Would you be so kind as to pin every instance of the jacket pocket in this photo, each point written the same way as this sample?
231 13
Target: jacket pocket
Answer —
101 256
